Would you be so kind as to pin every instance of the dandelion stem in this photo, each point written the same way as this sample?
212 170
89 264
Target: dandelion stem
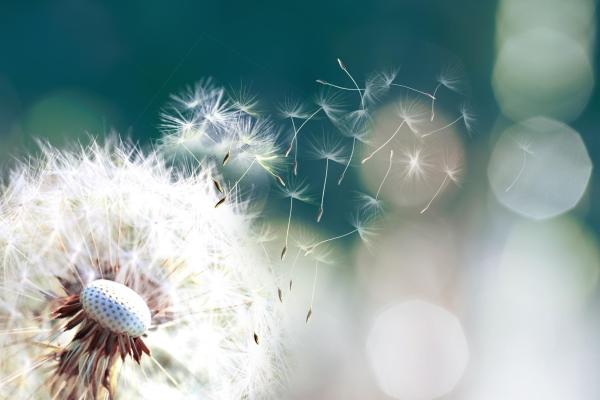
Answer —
523 164
384 144
349 161
443 127
386 175
437 192
320 214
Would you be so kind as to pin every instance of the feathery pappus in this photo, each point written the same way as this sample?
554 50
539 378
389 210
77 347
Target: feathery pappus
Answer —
120 280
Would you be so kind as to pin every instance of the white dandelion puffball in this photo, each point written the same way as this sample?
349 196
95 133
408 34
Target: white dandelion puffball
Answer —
119 275
539 168
417 351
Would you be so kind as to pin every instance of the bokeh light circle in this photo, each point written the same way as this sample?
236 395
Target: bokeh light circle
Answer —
539 168
542 72
435 152
575 18
417 351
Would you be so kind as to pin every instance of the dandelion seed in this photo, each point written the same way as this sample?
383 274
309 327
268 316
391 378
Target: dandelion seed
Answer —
218 185
302 244
345 69
330 150
368 203
465 115
221 201
525 150
314 289
309 314
415 164
387 172
256 144
256 338
226 157
410 114
356 126
201 115
293 110
378 149
245 101
362 113
361 226
450 173
296 190
450 78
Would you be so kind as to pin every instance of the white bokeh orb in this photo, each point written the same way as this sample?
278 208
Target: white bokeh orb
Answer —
539 168
417 351
542 71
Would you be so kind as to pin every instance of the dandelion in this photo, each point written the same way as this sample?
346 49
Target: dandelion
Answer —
451 173
295 190
125 282
330 150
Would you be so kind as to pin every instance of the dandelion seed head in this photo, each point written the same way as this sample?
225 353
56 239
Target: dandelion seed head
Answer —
110 224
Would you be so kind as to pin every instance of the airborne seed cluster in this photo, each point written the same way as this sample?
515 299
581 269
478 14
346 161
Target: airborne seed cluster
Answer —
116 307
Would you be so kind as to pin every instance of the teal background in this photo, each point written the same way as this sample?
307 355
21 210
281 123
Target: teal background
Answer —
68 67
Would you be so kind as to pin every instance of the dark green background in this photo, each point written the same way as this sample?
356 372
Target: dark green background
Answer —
125 58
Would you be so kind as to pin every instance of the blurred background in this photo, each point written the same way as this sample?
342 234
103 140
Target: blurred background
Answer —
490 294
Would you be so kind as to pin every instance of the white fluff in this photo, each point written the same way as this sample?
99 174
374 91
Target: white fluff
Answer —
67 212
